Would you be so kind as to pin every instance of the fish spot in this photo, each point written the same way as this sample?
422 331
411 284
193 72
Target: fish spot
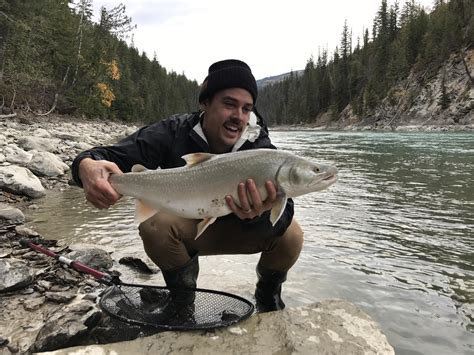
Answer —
217 202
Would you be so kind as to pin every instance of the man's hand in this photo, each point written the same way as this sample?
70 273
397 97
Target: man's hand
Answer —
94 175
250 201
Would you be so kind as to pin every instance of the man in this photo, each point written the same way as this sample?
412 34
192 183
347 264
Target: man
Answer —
225 123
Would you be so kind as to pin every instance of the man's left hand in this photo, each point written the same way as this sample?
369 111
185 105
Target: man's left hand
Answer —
251 204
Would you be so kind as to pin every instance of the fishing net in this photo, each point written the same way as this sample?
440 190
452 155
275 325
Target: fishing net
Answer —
145 305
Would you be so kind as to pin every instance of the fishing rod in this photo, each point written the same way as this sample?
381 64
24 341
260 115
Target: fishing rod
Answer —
76 265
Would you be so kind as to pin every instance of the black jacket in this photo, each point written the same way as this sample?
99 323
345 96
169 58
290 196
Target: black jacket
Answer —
162 144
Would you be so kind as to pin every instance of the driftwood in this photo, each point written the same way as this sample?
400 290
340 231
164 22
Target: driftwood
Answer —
8 116
52 108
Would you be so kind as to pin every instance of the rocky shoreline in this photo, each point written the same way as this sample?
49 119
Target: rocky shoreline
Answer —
49 306
46 305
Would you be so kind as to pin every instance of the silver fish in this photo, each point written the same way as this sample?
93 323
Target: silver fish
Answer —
198 190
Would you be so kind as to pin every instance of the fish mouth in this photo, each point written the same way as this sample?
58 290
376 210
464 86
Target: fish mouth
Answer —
330 178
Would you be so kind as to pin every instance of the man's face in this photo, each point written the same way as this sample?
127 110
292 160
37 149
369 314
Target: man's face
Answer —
226 116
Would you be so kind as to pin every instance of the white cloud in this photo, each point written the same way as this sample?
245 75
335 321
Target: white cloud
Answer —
272 36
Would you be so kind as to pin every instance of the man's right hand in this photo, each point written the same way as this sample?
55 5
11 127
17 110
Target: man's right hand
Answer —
94 175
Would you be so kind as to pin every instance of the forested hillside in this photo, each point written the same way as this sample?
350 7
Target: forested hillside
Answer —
404 43
54 57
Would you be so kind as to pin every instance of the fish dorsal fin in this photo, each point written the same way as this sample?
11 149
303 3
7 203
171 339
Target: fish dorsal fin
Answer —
196 158
202 226
278 209
138 168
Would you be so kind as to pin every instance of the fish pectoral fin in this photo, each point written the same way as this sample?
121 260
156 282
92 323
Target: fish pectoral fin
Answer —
196 158
138 168
202 226
278 209
143 211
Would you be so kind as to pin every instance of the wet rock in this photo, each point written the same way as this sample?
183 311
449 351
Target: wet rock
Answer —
67 326
94 258
12 214
47 164
14 274
21 181
38 143
136 263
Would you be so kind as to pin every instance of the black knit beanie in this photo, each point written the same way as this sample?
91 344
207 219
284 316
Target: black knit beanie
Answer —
229 73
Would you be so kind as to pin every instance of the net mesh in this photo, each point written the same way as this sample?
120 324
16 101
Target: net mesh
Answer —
146 305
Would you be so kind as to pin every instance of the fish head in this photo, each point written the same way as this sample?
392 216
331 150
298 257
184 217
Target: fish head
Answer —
302 176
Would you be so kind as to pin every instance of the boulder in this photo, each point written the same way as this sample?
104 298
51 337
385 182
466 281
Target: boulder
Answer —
38 143
67 326
14 275
94 257
47 164
328 327
10 213
16 155
21 181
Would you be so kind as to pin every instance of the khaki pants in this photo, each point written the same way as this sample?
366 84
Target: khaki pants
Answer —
169 241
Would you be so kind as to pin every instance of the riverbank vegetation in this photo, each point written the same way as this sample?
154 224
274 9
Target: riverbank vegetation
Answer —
54 57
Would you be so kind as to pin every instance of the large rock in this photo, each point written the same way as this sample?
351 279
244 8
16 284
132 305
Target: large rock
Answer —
67 326
21 181
41 132
47 164
11 213
14 275
38 143
329 327
93 257
16 155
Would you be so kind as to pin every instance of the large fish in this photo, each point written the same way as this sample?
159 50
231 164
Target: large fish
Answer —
198 190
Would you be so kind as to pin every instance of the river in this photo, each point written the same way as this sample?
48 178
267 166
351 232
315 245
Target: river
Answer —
394 235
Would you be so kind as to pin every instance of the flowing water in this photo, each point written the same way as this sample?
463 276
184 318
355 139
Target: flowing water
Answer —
394 235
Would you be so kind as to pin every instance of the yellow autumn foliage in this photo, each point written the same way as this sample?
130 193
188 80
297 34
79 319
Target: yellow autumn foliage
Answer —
113 71
106 95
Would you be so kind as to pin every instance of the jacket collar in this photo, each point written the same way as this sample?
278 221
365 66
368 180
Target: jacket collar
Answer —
250 133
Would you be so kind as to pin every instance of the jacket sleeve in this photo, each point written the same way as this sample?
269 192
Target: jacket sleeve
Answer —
147 147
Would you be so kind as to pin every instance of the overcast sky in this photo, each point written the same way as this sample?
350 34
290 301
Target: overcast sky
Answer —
272 36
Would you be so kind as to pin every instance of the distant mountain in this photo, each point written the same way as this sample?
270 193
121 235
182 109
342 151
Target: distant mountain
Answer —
276 78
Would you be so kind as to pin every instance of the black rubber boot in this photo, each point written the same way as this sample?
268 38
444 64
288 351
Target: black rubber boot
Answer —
268 291
181 282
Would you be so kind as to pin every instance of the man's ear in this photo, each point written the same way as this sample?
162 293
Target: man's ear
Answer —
204 105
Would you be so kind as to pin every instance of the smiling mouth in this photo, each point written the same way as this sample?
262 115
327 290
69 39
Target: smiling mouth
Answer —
232 128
